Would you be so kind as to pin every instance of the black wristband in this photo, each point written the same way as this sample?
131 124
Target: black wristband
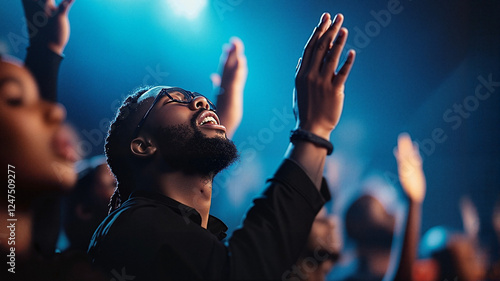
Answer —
304 135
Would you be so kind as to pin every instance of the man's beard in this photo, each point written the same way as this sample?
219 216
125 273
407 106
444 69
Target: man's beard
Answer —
185 148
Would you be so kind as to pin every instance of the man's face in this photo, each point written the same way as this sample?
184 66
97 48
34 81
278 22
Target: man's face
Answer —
190 137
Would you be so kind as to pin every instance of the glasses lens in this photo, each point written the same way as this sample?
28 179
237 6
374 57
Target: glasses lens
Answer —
183 96
180 97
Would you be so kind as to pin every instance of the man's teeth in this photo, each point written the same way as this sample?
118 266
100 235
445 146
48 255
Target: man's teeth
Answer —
207 120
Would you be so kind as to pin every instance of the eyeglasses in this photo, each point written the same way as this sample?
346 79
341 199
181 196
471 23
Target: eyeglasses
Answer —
175 94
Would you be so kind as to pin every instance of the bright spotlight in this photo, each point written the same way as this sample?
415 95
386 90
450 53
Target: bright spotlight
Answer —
189 9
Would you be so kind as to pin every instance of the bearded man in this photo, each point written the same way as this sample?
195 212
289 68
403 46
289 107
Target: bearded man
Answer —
165 147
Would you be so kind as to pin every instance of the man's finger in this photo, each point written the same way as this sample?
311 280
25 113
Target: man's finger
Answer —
323 45
317 33
404 143
238 45
333 56
343 73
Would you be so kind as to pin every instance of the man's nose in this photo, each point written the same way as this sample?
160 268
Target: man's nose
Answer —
198 103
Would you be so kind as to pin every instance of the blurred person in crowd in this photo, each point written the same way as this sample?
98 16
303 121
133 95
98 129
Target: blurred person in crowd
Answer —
44 55
372 227
22 95
87 204
494 268
321 252
38 149
168 147
451 255
36 153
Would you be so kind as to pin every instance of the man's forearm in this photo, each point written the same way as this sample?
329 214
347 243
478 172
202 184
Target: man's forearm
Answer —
276 228
310 157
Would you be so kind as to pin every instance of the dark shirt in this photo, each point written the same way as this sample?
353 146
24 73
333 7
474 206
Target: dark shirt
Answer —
153 237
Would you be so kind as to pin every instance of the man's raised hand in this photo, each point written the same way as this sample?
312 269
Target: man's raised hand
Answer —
319 89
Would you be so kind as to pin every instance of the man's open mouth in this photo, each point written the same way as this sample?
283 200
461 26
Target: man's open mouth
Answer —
208 119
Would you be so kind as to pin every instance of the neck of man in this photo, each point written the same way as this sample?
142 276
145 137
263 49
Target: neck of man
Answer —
192 190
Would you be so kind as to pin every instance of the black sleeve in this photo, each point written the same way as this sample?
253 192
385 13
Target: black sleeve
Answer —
276 228
44 65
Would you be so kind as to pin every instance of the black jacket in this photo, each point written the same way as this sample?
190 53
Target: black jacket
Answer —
153 237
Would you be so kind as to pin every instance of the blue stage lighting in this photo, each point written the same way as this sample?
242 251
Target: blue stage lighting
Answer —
189 9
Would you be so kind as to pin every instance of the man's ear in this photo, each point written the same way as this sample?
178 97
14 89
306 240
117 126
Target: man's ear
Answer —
142 148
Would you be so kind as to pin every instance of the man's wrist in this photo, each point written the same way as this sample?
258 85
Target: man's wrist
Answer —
303 135
317 130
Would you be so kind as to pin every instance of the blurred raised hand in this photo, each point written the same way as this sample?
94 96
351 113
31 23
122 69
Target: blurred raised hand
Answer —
470 217
496 219
412 179
410 172
48 23
232 84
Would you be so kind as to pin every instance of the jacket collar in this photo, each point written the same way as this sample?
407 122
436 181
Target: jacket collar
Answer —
215 225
